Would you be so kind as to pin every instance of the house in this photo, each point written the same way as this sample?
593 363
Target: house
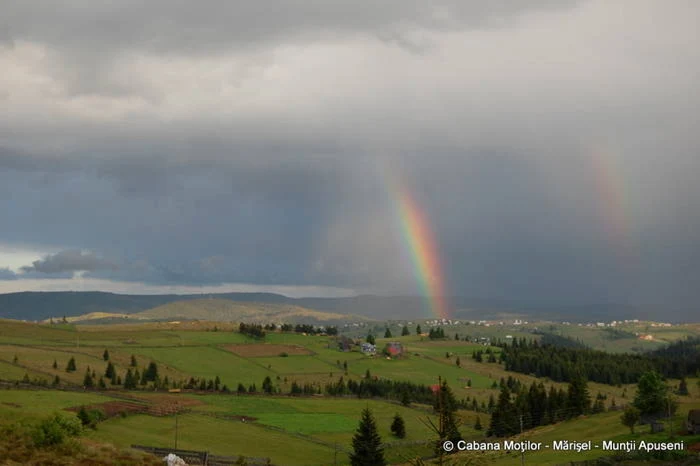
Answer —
393 349
368 348
693 422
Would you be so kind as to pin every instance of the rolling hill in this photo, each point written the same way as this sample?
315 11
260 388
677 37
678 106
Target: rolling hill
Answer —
224 310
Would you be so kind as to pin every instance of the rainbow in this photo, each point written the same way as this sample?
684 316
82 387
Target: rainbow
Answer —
422 247
612 203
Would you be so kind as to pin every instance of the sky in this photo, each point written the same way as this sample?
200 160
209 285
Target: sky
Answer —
170 146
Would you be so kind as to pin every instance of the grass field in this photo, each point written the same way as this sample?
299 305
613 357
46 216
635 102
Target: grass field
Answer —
290 430
224 437
24 404
209 362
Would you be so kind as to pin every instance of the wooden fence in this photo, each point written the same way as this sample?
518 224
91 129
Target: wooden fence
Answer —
193 457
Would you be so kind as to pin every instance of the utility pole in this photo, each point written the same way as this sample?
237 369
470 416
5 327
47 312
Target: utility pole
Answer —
176 430
522 450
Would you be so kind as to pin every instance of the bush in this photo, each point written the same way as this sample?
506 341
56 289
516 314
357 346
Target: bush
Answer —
90 418
56 430
284 355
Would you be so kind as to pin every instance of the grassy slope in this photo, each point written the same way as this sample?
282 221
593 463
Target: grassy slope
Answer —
223 437
34 404
181 353
209 362
231 311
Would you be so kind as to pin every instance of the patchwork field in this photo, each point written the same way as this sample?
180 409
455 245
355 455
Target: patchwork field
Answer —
291 430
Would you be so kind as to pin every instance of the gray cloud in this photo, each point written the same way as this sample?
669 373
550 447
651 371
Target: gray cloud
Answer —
69 261
552 146
7 274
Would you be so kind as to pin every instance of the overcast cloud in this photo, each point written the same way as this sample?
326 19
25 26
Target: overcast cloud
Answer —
553 146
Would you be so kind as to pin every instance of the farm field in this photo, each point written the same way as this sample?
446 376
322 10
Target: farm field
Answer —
288 429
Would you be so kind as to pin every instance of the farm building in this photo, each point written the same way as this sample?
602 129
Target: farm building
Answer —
368 348
393 349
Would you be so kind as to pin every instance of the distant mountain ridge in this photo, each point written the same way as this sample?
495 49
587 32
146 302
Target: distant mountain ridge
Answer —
42 305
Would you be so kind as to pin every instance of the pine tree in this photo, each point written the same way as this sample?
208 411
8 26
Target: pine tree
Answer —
133 361
130 380
398 426
105 355
387 333
404 331
504 419
87 380
683 387
370 339
578 400
151 372
55 364
56 381
109 371
458 362
418 330
267 385
101 383
446 407
366 443
70 367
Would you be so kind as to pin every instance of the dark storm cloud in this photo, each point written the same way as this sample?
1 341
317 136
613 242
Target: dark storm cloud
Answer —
69 261
7 274
181 27
551 145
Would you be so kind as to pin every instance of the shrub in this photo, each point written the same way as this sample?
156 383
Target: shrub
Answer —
56 430
90 418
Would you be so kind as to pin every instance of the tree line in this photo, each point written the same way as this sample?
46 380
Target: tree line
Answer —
561 364
520 408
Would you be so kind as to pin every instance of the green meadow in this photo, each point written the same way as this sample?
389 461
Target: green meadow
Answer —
313 430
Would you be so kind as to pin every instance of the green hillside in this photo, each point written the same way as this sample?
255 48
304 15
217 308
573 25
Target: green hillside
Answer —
223 310
311 428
